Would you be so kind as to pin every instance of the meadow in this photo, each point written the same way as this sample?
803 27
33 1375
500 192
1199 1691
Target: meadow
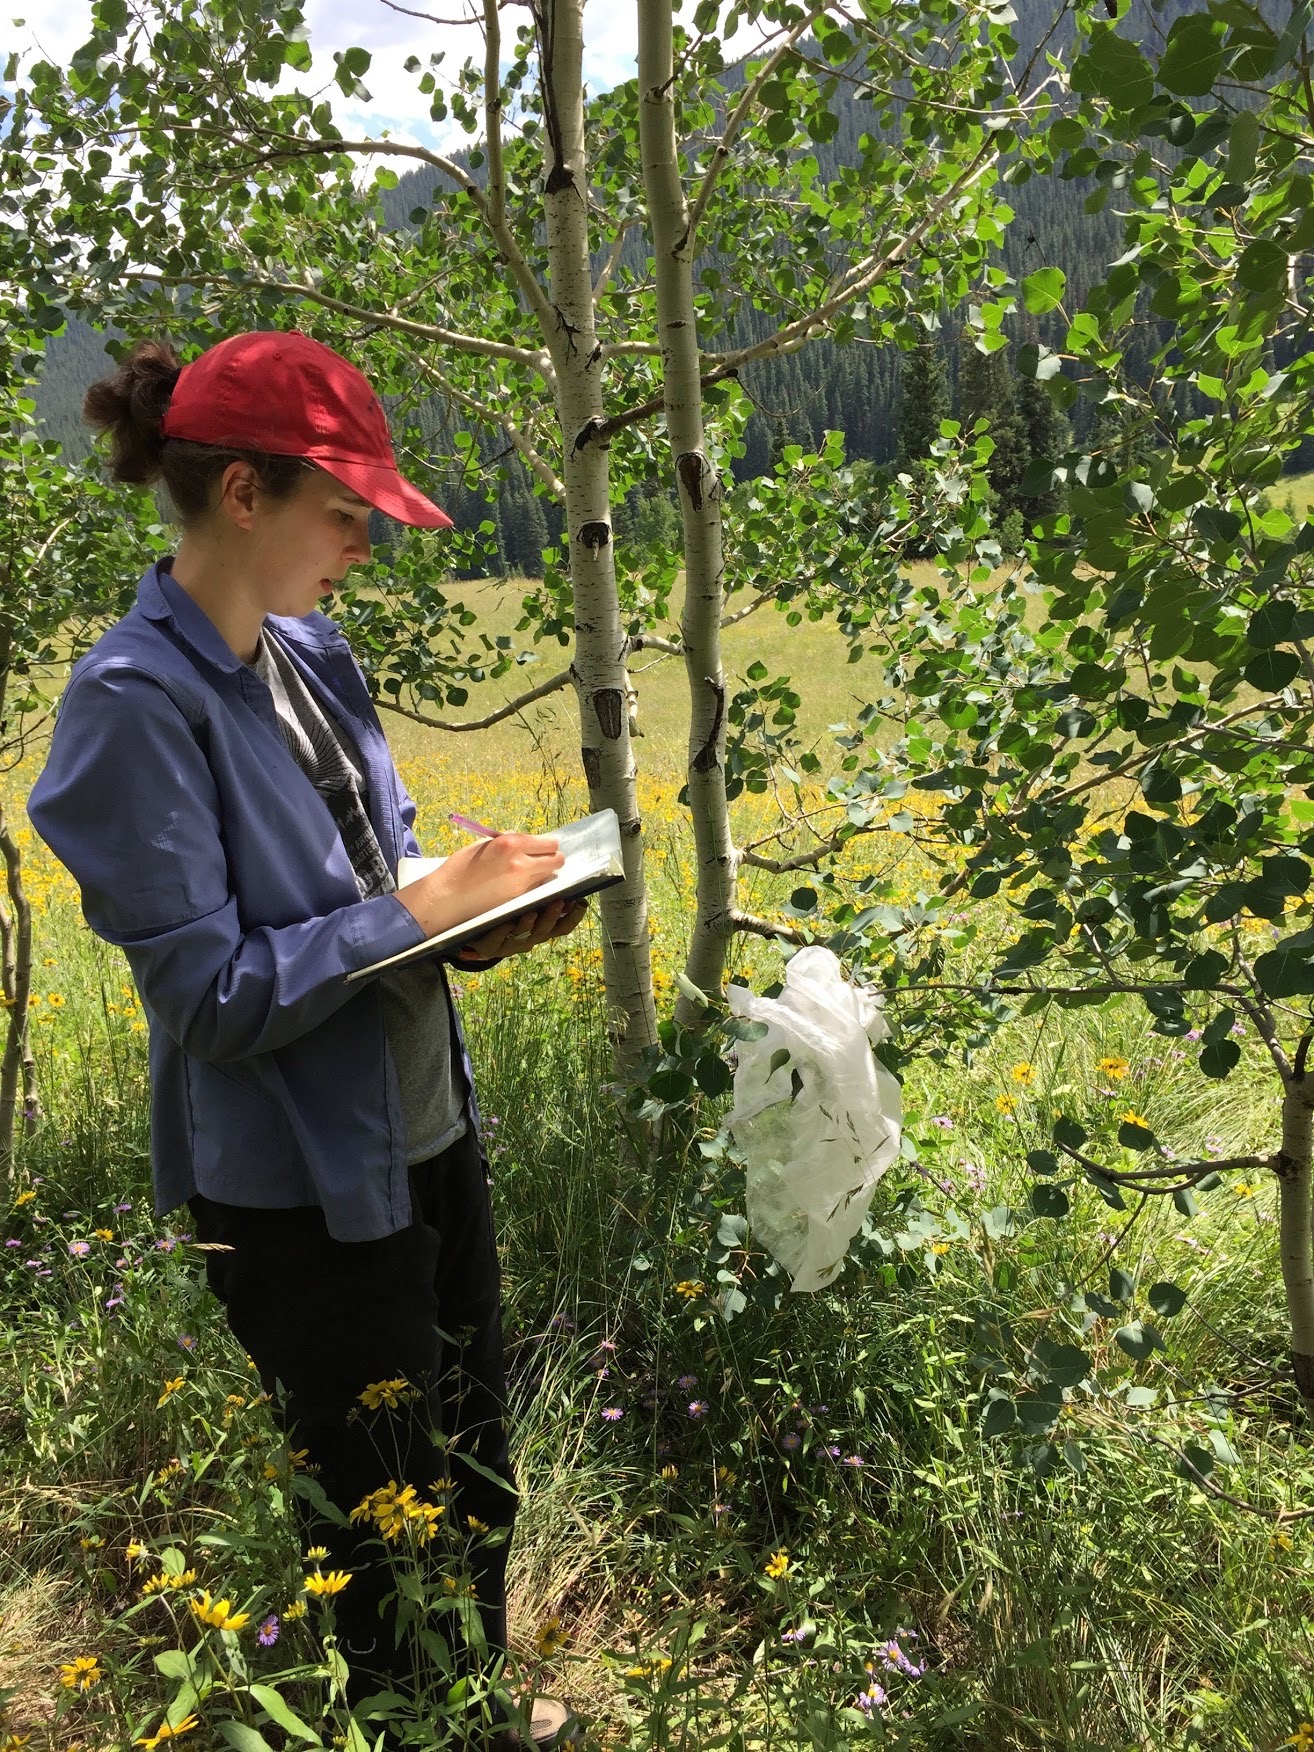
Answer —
783 1530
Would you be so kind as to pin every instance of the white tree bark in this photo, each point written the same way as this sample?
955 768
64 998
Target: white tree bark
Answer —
599 667
1296 1222
699 485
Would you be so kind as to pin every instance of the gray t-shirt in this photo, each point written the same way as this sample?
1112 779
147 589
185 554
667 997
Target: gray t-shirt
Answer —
416 1010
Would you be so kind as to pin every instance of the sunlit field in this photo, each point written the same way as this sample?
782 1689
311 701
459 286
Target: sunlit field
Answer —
783 1530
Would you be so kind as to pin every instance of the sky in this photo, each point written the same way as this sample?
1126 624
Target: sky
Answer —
611 40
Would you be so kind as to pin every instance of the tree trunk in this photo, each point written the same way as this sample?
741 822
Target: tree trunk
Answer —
699 485
599 667
1296 1220
15 987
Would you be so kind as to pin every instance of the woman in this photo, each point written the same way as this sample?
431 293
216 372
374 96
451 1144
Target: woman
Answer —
220 786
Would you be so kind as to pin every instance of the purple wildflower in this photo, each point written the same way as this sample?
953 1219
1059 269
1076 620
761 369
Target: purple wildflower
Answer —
186 1341
698 1408
13 1241
687 1383
943 1121
612 1414
792 1442
79 1249
126 1205
267 1635
115 1298
854 1460
1193 1034
873 1697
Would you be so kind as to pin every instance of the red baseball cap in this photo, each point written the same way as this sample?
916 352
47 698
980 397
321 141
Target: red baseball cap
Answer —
288 395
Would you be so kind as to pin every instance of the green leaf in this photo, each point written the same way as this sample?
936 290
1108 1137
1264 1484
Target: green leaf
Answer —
1195 1459
1050 1201
1067 1365
1043 290
1288 970
1114 68
1185 1201
714 1075
243 1738
1166 1299
1121 1287
1193 58
1070 1132
281 1712
1138 1339
1242 144
1134 1136
1271 671
1203 972
1218 1058
1000 1417
1262 266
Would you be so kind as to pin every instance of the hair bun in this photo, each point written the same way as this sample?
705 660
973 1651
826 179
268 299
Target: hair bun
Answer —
131 405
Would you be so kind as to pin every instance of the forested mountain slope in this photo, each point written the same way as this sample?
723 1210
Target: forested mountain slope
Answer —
855 388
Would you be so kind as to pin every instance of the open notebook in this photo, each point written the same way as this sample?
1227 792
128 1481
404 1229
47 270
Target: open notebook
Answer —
592 851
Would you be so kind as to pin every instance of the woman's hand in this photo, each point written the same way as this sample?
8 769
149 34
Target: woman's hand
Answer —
557 919
479 877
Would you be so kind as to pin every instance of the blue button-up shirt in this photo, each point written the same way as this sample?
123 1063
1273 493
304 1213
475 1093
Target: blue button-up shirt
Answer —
203 850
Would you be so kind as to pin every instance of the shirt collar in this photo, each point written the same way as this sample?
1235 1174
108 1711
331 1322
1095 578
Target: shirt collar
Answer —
161 597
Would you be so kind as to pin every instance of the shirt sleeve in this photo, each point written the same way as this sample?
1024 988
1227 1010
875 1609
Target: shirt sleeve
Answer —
127 802
406 809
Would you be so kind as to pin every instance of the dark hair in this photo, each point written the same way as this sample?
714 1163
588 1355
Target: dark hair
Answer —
131 406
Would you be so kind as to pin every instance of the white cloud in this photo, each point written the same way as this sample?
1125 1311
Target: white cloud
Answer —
391 36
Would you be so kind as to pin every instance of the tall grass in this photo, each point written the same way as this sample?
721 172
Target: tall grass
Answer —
794 1535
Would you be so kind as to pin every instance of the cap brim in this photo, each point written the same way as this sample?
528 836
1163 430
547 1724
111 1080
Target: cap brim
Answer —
385 489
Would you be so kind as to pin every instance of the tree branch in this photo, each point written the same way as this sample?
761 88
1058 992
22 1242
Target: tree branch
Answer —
1188 1173
613 259
742 921
730 620
509 710
537 360
861 277
491 417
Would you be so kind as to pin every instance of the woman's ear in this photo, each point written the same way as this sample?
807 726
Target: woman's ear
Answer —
239 492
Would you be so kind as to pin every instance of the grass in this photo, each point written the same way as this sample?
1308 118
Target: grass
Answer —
734 1578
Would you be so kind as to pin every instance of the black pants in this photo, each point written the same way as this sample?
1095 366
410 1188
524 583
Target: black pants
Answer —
323 1319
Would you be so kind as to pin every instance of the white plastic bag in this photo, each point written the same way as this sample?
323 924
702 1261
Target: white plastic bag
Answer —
813 1162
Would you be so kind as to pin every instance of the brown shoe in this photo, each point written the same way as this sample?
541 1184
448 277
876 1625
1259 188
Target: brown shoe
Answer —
551 1726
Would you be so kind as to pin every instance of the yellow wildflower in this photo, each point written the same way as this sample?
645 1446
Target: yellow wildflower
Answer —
1243 1189
1025 1074
1005 1103
1279 1542
332 1583
670 1472
92 1542
81 1674
1115 1068
777 1565
939 1247
25 1197
166 1581
55 1000
103 1234
294 1609
690 1288
134 1551
1129 1116
389 1393
1303 1738
218 1613
551 1639
475 1525
316 1552
166 1732
170 1388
